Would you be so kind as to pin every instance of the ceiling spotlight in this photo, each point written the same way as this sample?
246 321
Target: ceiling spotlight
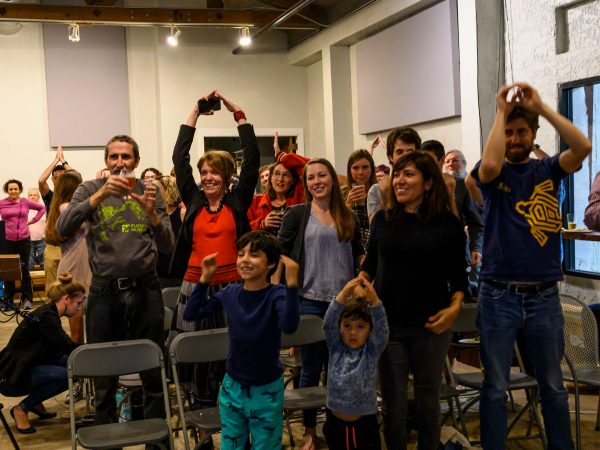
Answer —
74 32
245 39
172 39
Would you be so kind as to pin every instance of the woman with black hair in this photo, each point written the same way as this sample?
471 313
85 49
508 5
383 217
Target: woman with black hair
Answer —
416 258
15 214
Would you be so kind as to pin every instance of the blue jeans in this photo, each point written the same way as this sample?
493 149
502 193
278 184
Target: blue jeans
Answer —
539 317
47 381
314 357
37 254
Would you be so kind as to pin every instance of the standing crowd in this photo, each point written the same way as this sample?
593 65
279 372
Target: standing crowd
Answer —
386 258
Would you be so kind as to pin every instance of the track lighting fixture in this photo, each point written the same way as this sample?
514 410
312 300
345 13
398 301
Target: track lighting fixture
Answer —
74 32
173 38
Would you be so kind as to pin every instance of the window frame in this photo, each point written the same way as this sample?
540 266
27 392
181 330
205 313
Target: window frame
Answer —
566 109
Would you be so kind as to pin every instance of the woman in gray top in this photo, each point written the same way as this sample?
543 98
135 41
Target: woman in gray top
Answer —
324 237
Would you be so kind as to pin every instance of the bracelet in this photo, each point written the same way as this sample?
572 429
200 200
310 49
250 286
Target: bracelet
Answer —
65 163
239 115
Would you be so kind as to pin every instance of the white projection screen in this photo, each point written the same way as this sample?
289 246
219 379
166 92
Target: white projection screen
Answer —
88 90
409 73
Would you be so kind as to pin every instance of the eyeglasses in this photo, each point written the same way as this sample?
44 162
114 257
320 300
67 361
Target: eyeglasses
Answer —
452 161
278 174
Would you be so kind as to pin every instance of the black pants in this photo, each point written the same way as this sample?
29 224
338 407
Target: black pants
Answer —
23 248
116 315
422 354
362 434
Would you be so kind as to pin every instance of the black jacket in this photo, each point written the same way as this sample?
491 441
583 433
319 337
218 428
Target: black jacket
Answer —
239 199
291 235
34 343
470 215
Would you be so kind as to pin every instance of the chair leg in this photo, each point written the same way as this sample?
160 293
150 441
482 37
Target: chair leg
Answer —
461 418
598 414
7 428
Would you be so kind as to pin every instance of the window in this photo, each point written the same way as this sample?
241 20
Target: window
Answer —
581 104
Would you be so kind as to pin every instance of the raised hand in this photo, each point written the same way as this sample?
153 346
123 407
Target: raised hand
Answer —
229 104
276 143
147 200
377 141
371 295
291 271
348 289
273 220
503 102
209 267
59 154
530 97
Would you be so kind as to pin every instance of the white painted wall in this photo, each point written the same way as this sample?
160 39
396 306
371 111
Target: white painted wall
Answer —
164 84
461 133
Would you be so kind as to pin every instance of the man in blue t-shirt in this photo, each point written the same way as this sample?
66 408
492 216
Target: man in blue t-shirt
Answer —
521 259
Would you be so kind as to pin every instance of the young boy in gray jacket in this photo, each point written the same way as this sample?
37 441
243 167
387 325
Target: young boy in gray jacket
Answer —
356 331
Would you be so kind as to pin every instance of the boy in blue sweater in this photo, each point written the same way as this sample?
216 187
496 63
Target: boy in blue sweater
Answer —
251 395
356 331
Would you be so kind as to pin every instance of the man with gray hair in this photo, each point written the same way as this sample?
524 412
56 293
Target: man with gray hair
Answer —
455 164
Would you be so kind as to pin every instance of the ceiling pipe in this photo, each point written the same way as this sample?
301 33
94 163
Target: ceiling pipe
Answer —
282 18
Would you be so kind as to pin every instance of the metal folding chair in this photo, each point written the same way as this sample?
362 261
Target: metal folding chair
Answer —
111 359
9 432
310 331
581 363
170 297
466 323
193 348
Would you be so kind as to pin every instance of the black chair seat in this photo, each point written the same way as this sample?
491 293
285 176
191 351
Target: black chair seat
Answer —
207 419
123 434
474 380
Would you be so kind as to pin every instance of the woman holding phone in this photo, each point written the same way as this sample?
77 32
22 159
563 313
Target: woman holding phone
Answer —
417 261
361 176
284 188
323 236
215 219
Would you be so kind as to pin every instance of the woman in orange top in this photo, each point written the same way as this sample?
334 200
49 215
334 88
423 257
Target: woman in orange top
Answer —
284 189
215 219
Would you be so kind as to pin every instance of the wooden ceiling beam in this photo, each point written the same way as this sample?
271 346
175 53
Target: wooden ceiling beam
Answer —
147 16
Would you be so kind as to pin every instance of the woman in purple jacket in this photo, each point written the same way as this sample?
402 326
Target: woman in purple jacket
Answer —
14 211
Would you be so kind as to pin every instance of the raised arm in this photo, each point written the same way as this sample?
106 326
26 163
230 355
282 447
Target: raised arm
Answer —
492 159
43 180
579 146
251 163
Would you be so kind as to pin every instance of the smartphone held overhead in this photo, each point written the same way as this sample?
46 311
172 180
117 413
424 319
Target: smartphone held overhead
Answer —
210 104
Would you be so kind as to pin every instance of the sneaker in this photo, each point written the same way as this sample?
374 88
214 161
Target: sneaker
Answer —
27 305
77 391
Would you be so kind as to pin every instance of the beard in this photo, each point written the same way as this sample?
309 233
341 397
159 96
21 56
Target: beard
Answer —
518 154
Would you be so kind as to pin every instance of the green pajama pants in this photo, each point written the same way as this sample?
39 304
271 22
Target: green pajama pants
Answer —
251 410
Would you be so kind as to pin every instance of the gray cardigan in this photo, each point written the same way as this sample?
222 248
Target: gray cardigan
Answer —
291 236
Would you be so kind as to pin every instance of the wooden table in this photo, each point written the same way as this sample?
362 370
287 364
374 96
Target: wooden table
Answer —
581 235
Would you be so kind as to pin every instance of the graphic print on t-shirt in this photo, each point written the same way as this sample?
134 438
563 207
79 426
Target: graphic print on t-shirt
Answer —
114 219
541 212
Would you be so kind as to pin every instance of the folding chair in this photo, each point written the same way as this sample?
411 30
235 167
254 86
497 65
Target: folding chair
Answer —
192 348
310 331
581 363
466 323
110 359
7 429
170 297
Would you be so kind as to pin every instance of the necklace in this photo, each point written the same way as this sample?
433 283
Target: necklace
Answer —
219 207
